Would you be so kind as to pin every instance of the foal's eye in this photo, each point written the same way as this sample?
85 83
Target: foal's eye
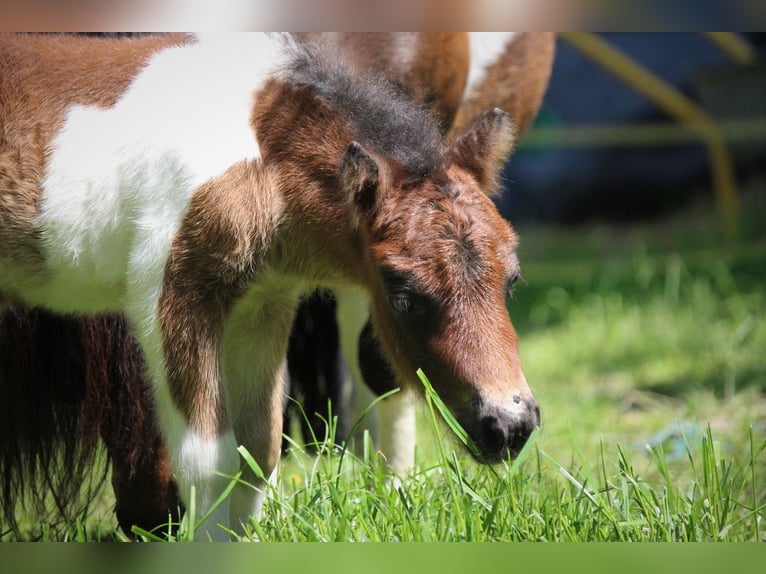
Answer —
401 302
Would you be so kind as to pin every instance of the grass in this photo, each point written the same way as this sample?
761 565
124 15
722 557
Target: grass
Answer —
645 347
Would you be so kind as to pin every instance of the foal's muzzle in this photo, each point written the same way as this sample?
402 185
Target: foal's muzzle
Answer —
504 430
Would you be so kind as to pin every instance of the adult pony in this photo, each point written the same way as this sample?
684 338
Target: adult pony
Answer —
200 185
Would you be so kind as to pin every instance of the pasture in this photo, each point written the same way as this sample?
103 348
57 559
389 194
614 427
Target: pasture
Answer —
644 345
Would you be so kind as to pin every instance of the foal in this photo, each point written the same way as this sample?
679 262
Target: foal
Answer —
199 186
458 76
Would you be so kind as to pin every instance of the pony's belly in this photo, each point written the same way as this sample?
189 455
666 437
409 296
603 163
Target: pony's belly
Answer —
70 293
59 290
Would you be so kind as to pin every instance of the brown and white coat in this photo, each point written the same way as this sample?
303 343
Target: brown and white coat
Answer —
199 185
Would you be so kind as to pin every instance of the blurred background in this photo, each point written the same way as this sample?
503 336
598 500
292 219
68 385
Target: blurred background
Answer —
608 145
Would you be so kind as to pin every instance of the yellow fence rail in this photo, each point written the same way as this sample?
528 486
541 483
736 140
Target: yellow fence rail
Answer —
640 135
694 118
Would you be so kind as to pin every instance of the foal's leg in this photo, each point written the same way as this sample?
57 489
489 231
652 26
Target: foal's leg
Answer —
396 416
145 494
255 345
353 311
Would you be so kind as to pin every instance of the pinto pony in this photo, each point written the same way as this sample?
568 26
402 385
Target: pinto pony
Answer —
199 185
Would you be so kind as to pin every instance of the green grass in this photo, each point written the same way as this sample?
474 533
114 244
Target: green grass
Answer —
646 348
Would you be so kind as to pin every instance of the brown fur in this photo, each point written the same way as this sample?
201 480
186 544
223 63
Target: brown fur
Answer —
217 252
496 137
469 247
409 203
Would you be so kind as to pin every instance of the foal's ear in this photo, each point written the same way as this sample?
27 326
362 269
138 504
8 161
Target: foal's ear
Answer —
359 177
485 147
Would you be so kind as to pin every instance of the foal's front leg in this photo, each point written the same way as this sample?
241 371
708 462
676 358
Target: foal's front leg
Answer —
255 346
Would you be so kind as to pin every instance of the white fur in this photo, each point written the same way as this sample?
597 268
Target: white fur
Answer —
120 179
194 461
486 48
396 415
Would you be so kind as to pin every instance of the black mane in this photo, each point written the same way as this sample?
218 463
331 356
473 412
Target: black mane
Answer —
383 117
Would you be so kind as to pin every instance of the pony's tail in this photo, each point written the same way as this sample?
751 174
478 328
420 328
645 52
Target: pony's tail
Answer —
47 443
65 383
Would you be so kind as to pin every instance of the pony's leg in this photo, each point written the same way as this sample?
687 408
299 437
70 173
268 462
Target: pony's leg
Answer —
397 431
258 429
255 345
352 313
145 494
397 412
203 460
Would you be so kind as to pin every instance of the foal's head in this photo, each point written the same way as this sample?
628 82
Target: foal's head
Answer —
443 264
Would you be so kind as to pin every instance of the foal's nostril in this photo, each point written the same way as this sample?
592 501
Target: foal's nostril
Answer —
493 434
504 430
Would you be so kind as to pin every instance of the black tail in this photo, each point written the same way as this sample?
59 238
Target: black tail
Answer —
65 383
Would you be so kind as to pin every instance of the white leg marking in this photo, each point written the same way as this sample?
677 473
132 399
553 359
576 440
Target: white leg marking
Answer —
398 431
206 465
195 461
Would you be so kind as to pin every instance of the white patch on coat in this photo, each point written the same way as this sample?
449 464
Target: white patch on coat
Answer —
404 46
486 48
120 179
209 466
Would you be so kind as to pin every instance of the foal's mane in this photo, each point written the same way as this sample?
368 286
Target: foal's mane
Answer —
382 116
